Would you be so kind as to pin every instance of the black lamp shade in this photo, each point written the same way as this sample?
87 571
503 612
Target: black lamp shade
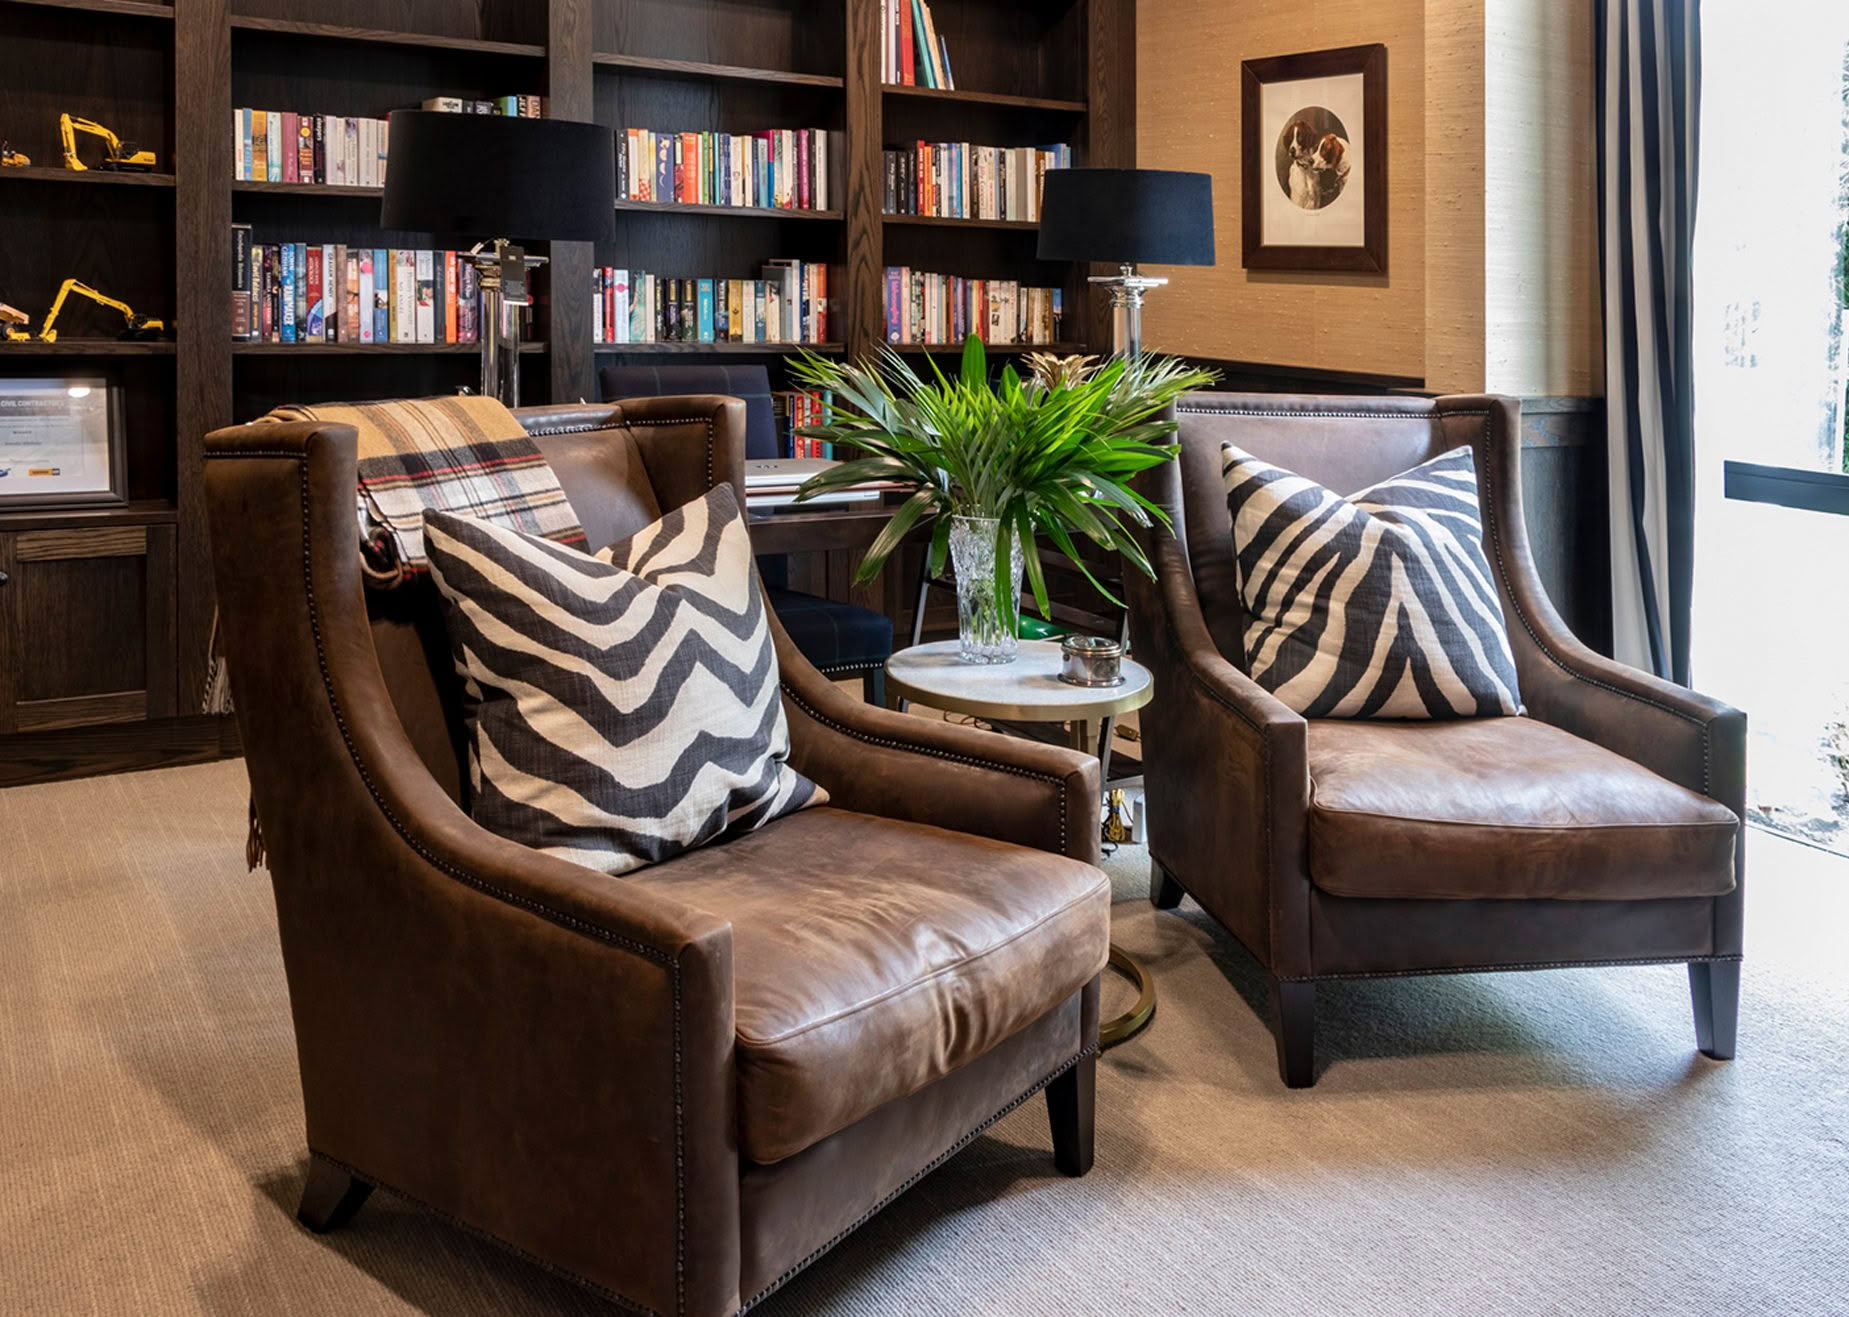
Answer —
1120 216
480 176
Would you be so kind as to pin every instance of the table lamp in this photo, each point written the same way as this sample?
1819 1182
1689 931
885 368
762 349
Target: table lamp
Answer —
497 181
1126 217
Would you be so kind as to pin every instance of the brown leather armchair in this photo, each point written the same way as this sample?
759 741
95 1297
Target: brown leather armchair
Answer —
682 1086
1602 828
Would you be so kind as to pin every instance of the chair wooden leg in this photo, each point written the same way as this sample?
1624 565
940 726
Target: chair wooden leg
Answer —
1164 892
1069 1103
1293 1007
1714 988
873 687
330 1197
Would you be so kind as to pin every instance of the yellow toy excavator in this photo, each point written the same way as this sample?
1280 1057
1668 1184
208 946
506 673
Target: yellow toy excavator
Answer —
11 318
117 154
11 159
140 328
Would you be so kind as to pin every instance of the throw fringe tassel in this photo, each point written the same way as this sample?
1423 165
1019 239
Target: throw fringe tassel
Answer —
216 697
254 856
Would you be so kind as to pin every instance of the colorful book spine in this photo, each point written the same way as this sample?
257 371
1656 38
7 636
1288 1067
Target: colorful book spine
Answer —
364 317
381 295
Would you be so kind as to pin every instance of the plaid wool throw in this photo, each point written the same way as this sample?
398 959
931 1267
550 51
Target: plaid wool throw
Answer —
466 455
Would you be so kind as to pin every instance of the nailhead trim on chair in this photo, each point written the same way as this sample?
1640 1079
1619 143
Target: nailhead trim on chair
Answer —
918 1175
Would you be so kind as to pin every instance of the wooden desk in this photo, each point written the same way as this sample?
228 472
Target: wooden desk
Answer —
827 545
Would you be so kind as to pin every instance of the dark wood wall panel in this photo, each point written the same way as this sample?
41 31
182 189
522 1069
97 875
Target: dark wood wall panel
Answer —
795 36
1014 47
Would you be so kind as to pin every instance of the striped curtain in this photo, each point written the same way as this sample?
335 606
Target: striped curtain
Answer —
1649 94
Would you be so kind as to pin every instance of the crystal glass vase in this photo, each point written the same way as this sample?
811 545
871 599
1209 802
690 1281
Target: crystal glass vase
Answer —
986 635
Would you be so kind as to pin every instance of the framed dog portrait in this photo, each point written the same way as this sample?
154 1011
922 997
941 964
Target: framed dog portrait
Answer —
1313 145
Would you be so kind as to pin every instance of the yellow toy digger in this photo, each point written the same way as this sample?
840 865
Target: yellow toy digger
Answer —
139 329
11 159
11 318
117 154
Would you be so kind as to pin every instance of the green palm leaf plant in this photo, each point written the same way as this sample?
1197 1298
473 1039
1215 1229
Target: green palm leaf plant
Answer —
1052 453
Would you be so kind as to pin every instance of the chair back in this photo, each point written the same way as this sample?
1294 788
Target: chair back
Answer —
621 468
1345 443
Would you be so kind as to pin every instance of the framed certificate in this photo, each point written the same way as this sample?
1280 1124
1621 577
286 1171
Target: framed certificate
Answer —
60 442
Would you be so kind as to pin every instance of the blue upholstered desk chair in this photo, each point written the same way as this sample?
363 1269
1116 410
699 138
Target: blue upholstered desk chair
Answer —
842 640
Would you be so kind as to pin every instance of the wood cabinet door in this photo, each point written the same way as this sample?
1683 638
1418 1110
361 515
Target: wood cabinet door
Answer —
86 627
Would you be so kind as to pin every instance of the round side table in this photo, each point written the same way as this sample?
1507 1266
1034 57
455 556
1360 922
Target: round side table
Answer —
1029 690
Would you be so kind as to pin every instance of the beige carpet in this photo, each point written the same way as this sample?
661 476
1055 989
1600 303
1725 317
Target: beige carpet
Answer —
1512 1143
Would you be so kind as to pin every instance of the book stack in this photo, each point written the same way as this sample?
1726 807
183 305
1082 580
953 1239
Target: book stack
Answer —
778 169
936 309
796 409
293 292
281 146
513 107
787 305
912 54
958 180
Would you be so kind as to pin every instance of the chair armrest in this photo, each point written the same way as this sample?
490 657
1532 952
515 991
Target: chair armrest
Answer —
878 761
1227 771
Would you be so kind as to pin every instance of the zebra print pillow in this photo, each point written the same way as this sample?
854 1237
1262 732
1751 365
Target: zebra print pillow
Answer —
624 707
1379 605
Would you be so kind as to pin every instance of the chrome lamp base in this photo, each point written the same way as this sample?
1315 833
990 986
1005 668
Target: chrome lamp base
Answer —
503 269
1128 289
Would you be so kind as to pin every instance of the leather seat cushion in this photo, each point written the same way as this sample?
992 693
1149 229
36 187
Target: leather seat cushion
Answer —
833 635
1503 808
873 957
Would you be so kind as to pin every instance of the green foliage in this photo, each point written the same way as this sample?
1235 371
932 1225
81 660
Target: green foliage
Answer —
1033 456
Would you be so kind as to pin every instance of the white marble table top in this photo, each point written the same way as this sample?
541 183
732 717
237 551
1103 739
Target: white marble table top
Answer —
1026 690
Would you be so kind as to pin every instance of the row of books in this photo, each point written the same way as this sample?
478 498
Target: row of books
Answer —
284 146
788 304
293 292
281 146
777 169
512 107
939 308
797 409
958 180
912 52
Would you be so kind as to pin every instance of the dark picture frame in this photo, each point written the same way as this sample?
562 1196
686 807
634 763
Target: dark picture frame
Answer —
1260 152
114 459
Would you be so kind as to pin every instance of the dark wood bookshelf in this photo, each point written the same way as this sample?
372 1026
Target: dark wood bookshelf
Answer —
693 68
731 349
89 347
106 177
999 100
727 212
127 8
306 189
373 36
946 222
134 599
252 348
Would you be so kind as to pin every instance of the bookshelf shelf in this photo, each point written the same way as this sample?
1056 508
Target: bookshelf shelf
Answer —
105 177
243 348
994 349
726 212
128 8
693 68
997 100
385 37
307 189
88 347
734 349
940 222
147 512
